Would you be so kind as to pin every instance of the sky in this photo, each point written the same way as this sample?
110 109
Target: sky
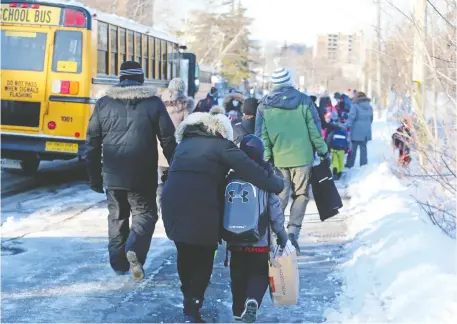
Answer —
299 21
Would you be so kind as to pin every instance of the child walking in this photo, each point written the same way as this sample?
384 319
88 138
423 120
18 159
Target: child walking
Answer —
249 261
401 140
338 143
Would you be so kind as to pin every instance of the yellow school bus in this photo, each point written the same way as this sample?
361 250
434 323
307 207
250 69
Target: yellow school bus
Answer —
56 60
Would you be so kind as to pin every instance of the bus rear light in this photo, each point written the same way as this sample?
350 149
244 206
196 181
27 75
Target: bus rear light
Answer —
13 5
65 87
74 18
24 5
52 125
77 134
35 6
74 87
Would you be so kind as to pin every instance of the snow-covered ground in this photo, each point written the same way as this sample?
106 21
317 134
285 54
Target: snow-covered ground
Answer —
402 268
381 260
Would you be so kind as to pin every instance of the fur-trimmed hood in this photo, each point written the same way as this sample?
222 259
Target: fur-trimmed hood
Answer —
228 101
214 123
361 99
180 104
131 92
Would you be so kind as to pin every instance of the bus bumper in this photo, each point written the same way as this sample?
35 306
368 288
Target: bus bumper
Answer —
19 147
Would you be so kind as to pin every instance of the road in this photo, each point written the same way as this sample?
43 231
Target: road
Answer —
50 173
55 266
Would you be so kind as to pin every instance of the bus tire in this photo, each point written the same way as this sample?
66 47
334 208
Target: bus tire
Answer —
30 165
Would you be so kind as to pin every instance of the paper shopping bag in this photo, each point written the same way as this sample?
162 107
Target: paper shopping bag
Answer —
284 278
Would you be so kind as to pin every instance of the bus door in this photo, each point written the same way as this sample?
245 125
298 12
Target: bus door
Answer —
24 65
189 72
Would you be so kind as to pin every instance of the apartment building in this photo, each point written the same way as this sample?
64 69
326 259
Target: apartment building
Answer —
340 48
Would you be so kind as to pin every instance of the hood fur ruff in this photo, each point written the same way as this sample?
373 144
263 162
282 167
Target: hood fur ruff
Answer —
132 92
214 123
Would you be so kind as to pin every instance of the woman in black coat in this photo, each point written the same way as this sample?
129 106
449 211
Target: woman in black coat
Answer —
192 199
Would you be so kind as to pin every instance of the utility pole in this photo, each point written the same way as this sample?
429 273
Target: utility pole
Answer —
370 69
152 12
378 60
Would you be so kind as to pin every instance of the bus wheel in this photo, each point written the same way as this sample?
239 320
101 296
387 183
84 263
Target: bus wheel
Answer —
30 165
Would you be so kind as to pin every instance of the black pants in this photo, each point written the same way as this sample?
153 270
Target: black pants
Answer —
249 275
195 265
123 238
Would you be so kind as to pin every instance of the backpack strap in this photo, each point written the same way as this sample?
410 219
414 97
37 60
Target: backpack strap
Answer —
269 232
226 261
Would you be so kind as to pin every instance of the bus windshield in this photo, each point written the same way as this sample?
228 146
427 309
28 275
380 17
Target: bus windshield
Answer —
24 51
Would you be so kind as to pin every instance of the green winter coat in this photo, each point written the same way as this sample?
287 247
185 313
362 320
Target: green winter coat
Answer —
289 126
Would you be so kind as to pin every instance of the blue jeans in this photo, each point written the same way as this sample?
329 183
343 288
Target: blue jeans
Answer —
363 154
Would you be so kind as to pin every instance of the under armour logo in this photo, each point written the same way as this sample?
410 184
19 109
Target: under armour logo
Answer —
243 196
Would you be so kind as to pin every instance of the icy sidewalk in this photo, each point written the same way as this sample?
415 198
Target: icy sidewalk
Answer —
55 264
401 267
322 249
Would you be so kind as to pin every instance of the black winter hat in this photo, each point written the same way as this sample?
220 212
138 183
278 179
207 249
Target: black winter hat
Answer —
133 71
253 147
250 106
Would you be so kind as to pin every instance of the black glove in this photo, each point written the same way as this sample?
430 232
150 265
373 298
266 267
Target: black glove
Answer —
326 159
164 176
97 188
282 239
278 173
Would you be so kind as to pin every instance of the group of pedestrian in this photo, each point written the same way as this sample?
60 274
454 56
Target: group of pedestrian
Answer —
194 150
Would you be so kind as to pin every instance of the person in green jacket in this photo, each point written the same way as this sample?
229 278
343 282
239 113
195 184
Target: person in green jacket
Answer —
289 125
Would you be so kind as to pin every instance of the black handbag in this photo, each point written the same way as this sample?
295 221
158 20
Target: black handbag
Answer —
326 195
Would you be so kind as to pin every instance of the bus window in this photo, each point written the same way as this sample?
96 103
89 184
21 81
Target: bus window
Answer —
102 61
164 60
197 76
145 62
158 59
170 74
67 52
113 46
24 51
138 47
175 61
130 42
122 50
152 57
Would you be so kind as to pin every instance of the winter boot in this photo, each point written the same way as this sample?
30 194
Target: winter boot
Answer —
294 242
249 314
192 308
135 266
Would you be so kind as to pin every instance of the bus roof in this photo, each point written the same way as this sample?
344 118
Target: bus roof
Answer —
117 20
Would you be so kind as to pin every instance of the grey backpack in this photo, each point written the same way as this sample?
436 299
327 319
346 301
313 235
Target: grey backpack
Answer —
245 212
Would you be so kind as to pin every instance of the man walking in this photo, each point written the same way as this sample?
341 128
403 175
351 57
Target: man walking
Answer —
286 122
247 124
125 124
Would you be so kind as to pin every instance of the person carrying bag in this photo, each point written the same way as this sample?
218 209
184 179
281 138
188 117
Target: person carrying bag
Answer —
284 276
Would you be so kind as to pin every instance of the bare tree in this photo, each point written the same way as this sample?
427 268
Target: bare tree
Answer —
434 128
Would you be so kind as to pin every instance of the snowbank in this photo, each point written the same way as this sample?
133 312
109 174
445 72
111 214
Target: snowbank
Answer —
402 268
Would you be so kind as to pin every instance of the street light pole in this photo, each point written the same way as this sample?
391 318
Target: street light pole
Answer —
378 59
420 36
